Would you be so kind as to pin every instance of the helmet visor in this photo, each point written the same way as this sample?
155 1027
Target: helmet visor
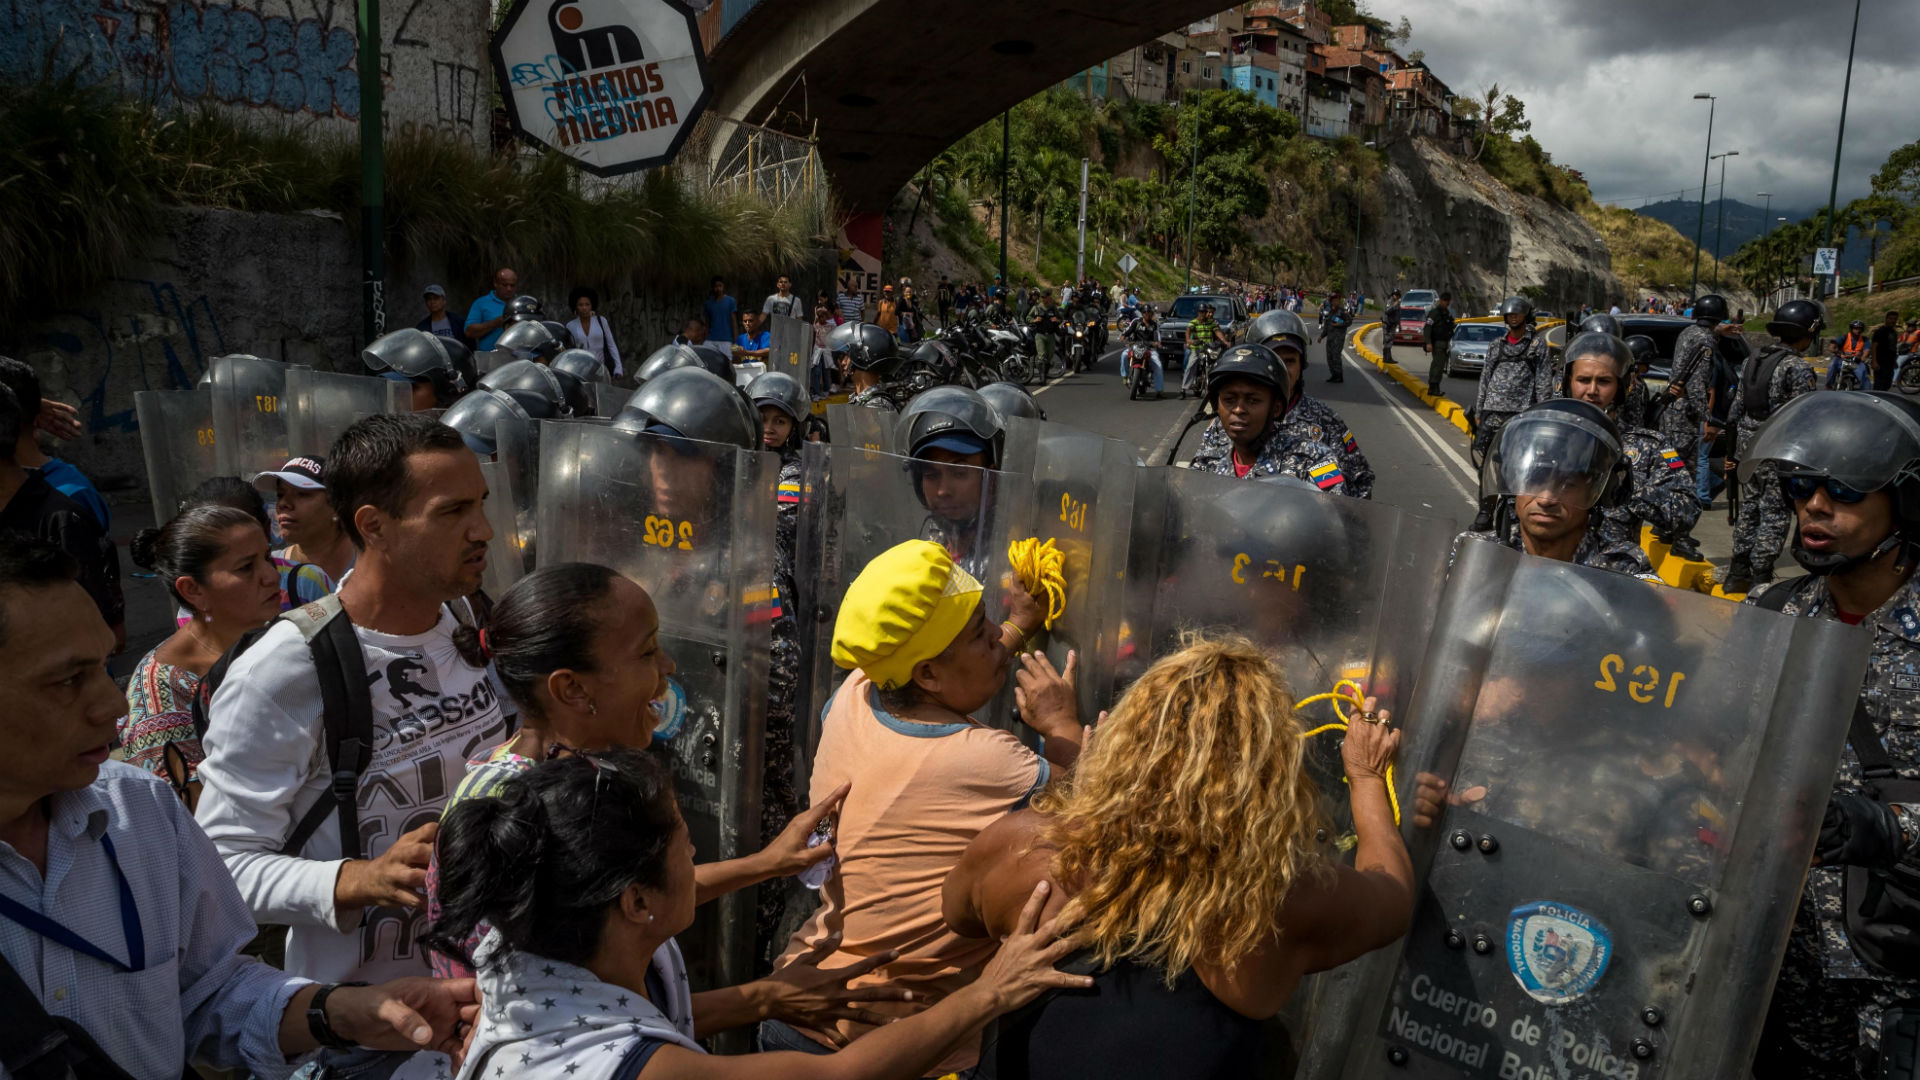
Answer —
1560 457
1862 440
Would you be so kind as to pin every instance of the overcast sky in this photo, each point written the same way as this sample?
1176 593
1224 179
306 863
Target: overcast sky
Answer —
1609 86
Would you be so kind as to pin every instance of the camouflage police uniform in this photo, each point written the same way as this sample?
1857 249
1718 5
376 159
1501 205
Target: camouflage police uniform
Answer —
1517 376
1633 411
1598 549
1281 454
1661 495
1827 1006
1765 518
779 801
1313 420
874 397
1693 353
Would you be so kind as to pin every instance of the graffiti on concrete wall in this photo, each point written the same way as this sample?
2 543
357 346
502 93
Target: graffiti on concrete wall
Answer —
161 342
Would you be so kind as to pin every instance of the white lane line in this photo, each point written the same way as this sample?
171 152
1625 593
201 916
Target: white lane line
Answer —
1163 453
1418 429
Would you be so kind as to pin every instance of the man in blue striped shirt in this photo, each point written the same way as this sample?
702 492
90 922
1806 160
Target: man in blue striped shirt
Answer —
116 913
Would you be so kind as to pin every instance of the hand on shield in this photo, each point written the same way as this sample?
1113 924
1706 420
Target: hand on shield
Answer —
810 996
1370 743
58 419
1858 831
1046 697
1432 794
789 853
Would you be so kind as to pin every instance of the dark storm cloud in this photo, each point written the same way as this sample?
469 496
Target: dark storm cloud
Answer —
1609 86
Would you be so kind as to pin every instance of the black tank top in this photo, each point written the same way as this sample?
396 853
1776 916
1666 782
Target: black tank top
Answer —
1130 1024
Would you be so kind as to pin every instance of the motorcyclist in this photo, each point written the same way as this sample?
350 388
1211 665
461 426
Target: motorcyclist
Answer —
1598 367
1248 391
1202 331
1562 463
1142 326
1309 418
1849 465
1045 318
1769 379
1518 375
1853 355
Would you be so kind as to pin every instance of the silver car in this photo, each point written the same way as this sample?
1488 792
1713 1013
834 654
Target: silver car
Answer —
1467 353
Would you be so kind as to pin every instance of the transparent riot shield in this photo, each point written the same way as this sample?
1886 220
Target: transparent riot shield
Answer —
609 398
791 343
177 439
322 404
1083 490
518 442
249 415
693 524
1634 779
857 504
861 428
506 558
484 362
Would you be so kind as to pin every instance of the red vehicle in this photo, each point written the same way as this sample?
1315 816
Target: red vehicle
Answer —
1413 327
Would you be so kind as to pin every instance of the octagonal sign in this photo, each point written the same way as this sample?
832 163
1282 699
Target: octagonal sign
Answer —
615 85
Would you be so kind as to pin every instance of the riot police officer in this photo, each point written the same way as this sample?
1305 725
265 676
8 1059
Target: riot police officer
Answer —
531 340
1634 412
1518 375
1693 353
871 359
1768 380
1248 392
1598 365
440 369
1849 464
1308 417
1335 317
668 357
1012 399
1561 462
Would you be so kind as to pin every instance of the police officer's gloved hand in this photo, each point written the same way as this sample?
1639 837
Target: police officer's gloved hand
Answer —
1858 831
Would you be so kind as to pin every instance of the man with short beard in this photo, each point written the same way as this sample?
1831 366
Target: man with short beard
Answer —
346 875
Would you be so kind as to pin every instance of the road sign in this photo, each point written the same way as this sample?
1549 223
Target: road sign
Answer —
1127 263
615 85
1824 260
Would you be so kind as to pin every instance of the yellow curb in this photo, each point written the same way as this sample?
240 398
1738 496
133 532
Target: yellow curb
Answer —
1445 407
820 407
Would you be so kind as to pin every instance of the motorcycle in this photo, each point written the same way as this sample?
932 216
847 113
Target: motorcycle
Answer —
1138 359
1906 378
1205 356
1080 344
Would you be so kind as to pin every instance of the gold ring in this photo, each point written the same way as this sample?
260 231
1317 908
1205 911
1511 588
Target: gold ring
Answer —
1371 717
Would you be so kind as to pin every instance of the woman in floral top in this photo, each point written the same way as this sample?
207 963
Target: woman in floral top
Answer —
214 561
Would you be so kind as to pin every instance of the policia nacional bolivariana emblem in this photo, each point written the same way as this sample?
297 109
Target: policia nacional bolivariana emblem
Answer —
1556 951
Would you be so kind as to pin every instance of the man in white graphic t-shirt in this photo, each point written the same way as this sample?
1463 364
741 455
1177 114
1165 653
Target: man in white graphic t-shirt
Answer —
408 493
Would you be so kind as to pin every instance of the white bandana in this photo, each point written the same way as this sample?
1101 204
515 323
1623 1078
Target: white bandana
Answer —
543 1019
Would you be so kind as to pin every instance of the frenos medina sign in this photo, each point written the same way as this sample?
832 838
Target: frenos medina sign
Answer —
615 85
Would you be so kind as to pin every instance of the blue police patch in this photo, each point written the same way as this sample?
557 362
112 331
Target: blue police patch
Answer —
671 710
1556 951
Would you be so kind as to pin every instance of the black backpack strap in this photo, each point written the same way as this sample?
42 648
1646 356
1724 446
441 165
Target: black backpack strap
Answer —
35 1045
1874 762
346 708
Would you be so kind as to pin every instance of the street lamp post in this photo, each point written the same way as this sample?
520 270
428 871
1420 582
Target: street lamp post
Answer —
1720 214
1766 212
1839 139
1193 184
1700 229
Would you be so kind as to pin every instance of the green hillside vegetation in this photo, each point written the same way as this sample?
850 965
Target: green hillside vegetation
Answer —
1887 220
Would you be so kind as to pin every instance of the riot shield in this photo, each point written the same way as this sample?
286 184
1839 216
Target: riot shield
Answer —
249 415
506 558
791 344
861 428
519 459
1636 776
858 503
693 524
177 439
1083 489
609 398
484 362
322 404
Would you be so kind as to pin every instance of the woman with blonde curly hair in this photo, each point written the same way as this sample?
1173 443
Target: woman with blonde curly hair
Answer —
1184 853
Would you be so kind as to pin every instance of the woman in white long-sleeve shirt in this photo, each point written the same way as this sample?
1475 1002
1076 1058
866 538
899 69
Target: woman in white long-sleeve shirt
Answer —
591 331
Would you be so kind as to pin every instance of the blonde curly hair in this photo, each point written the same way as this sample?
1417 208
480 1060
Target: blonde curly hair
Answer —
1191 815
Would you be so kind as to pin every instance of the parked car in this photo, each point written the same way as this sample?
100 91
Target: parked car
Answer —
1228 311
1468 352
1664 330
1412 329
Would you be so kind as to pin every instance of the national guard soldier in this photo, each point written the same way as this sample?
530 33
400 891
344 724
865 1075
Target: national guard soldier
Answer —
1692 379
1598 365
871 358
1308 417
1849 463
1249 390
1563 463
1518 374
1770 378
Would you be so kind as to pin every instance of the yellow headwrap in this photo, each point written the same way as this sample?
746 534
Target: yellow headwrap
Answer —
907 606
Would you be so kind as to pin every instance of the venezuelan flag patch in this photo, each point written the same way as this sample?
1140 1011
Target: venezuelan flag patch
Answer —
1672 459
1352 444
789 492
763 605
1326 475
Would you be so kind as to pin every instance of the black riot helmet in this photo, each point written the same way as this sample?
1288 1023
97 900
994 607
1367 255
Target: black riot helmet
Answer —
1710 310
415 356
579 371
1866 441
1602 323
560 333
529 379
478 415
692 403
866 346
1643 349
668 357
1797 320
1012 399
783 392
1517 305
529 340
1256 362
1599 343
951 418
1564 448
1273 328
522 308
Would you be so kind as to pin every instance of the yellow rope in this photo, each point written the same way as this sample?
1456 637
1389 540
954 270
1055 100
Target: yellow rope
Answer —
1041 567
1346 690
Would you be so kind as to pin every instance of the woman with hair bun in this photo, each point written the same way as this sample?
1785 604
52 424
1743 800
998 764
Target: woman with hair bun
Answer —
214 562
582 870
1187 865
